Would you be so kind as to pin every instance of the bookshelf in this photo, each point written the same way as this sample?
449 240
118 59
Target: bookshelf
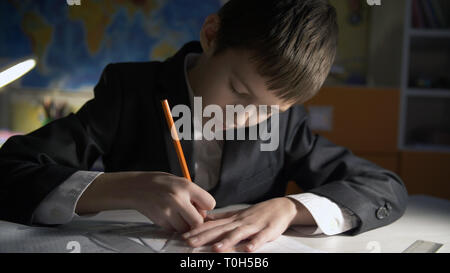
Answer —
424 123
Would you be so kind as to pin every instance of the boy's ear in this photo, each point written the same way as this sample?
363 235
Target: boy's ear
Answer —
208 34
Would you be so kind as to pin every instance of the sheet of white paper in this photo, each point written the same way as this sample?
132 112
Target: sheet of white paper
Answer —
163 241
15 238
105 235
285 244
282 244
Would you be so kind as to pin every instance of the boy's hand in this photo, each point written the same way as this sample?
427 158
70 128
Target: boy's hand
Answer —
261 223
167 200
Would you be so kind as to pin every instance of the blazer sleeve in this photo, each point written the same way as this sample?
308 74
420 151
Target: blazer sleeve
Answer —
376 196
32 165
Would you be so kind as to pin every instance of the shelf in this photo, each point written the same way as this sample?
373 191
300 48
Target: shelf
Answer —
430 33
425 112
432 93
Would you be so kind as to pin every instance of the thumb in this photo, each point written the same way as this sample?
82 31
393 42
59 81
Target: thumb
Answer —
202 199
202 212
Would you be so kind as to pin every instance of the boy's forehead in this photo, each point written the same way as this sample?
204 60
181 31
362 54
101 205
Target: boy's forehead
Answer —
241 62
244 69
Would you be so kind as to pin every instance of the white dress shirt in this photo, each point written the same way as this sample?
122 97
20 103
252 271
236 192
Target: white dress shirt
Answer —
58 207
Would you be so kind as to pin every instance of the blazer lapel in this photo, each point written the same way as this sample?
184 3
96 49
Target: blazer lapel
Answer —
174 89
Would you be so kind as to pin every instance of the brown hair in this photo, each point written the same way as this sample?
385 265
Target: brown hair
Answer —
293 42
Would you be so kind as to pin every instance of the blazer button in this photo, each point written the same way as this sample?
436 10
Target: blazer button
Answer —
382 213
388 206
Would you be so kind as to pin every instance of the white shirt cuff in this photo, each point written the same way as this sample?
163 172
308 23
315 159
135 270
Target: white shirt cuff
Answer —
329 217
58 207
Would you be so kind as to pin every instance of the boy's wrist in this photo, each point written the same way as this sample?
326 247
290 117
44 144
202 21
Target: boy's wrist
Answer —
302 216
105 193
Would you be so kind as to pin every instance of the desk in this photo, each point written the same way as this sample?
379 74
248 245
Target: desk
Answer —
426 218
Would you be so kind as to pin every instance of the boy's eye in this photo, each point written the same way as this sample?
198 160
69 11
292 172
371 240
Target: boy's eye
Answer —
236 92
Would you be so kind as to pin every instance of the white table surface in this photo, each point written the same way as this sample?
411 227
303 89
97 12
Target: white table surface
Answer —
426 218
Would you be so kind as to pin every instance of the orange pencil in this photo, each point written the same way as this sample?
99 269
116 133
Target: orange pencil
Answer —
175 139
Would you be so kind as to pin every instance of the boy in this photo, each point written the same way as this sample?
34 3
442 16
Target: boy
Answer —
253 52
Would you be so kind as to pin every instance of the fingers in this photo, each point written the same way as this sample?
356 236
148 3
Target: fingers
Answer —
178 223
235 236
264 236
191 215
174 203
202 199
210 235
164 224
170 218
188 210
206 226
216 216
203 213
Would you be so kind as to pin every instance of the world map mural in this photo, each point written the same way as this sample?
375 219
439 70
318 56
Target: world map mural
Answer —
73 43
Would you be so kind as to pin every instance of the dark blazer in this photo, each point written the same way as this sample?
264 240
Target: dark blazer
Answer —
125 125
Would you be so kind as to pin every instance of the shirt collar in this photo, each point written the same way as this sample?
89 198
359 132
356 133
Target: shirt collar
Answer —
189 61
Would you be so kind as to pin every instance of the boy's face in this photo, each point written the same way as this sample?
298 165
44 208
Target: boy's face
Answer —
231 78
